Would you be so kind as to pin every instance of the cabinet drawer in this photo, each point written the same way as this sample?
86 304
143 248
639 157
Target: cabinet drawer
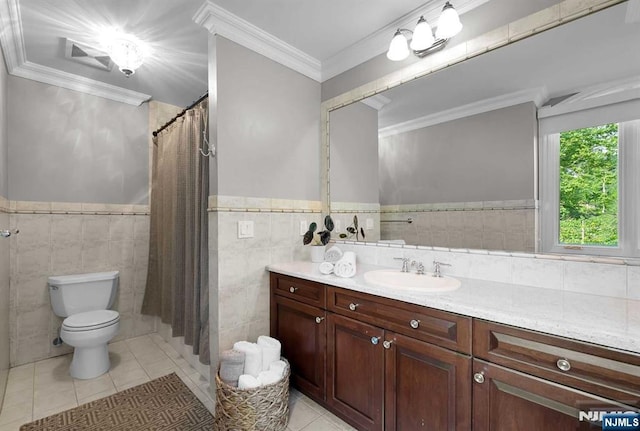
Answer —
305 291
434 326
611 373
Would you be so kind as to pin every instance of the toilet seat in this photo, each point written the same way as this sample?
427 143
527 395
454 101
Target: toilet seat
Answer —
90 320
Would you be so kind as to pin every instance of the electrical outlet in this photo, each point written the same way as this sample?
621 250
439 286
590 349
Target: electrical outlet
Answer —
304 227
369 224
245 229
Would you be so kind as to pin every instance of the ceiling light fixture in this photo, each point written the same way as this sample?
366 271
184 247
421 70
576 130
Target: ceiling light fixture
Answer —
423 41
126 51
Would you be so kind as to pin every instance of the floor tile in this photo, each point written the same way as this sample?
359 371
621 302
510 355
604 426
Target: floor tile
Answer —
87 388
321 424
301 415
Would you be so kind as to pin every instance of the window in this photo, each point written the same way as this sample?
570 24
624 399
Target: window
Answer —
590 184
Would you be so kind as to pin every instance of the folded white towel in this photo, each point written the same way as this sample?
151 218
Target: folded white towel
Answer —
346 267
326 268
270 350
333 255
269 377
279 367
246 381
252 357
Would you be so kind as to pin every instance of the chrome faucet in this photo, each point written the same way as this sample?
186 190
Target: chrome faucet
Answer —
405 263
436 268
419 267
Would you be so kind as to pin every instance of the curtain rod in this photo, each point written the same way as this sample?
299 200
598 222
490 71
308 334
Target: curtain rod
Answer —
170 122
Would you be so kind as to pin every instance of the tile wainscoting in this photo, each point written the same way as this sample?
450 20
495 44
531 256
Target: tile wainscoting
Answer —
4 297
68 238
242 282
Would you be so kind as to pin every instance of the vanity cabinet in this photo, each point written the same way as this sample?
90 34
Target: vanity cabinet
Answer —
383 364
537 381
301 329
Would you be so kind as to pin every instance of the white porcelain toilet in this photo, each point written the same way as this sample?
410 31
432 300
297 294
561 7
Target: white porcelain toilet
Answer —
84 300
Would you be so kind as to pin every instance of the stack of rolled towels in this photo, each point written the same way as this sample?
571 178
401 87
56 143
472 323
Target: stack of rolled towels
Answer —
342 264
251 365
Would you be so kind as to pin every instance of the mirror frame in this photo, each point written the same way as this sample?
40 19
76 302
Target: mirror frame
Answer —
546 19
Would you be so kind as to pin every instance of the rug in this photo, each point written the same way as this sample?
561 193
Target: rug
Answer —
161 404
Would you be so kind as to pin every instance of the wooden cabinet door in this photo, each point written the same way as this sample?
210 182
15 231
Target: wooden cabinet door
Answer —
426 387
508 400
301 329
355 371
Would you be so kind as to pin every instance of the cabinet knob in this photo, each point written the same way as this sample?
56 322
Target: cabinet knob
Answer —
353 306
293 289
479 377
414 324
387 344
375 340
563 364
319 319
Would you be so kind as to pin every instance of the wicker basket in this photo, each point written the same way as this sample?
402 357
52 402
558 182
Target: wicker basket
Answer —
261 409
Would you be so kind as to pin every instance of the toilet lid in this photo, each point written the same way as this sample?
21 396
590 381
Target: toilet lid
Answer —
90 320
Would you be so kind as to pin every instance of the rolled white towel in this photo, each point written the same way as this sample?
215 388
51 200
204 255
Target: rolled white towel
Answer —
333 255
270 350
269 377
279 367
246 381
346 267
252 357
326 268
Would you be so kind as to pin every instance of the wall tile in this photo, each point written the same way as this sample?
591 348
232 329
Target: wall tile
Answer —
633 282
121 228
66 229
66 258
95 256
596 279
95 228
35 231
538 272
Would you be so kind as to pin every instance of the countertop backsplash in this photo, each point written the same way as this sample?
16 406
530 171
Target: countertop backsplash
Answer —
611 277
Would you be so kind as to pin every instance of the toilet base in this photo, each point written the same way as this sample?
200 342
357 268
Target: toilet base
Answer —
89 362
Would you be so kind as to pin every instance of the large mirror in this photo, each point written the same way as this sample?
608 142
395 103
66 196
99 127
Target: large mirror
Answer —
452 159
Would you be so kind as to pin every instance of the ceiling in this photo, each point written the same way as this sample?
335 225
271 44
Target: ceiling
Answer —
176 72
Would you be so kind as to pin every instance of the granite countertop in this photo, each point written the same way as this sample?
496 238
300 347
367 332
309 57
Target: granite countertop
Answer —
611 322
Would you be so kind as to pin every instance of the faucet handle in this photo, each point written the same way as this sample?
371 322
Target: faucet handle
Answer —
419 266
436 268
405 263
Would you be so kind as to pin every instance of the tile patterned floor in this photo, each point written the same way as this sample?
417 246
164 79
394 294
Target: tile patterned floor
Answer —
44 388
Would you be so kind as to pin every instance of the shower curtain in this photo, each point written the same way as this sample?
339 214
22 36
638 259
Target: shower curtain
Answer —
177 287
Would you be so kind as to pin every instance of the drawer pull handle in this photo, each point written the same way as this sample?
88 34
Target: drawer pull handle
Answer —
319 319
387 344
414 324
293 289
479 377
563 364
353 306
375 340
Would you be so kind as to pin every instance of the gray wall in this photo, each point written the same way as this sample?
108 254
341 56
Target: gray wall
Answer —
465 160
67 146
487 17
268 127
354 154
4 242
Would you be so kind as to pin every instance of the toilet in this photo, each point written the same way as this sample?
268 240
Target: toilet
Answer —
84 301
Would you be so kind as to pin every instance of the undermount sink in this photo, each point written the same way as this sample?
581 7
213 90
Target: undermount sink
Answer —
410 281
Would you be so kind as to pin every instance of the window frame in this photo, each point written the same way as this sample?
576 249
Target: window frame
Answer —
628 196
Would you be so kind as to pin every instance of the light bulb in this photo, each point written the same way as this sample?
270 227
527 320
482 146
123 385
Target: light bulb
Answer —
398 48
422 36
449 23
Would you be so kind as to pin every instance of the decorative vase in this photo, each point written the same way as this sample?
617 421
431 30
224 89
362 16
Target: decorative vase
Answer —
317 253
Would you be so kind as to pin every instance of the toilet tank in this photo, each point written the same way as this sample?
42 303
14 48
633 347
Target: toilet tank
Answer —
72 294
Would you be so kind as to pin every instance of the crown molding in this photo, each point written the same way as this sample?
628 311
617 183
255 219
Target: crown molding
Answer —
609 93
49 75
376 102
220 21
536 95
11 34
12 43
378 42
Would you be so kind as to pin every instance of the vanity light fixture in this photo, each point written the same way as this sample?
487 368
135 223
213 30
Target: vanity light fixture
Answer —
423 41
127 51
